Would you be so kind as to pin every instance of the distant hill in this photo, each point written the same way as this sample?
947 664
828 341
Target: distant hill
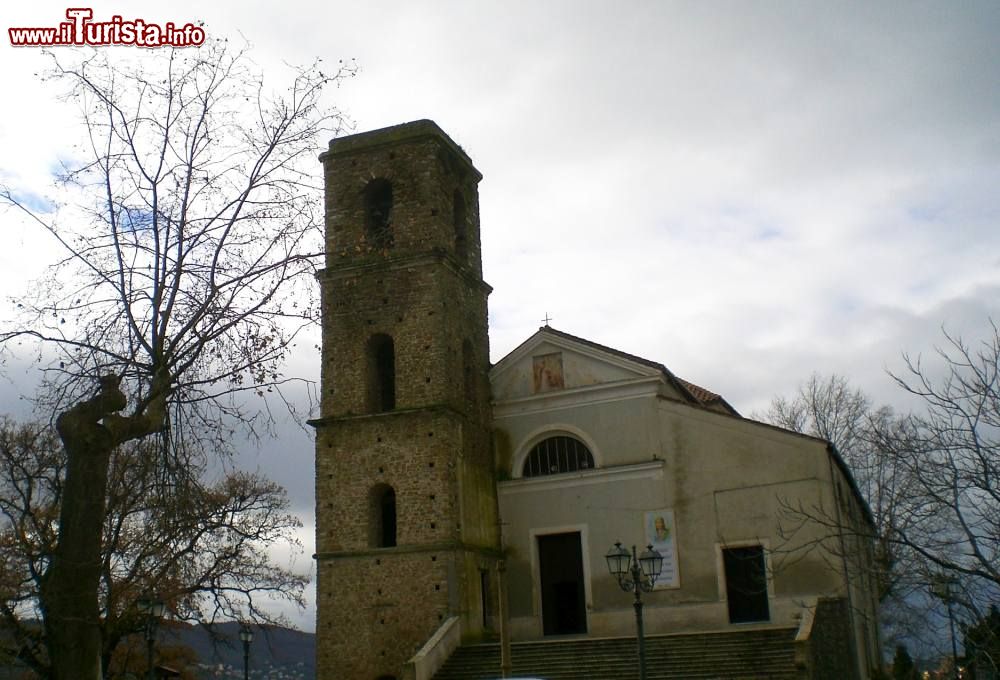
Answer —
220 651
273 647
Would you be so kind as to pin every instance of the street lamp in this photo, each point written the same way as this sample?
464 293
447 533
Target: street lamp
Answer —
246 636
154 609
636 575
941 587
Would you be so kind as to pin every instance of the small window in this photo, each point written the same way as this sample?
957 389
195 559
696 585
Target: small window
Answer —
381 374
746 584
555 455
378 213
382 515
461 225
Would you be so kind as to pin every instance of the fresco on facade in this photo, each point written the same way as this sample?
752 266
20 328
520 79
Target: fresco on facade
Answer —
548 372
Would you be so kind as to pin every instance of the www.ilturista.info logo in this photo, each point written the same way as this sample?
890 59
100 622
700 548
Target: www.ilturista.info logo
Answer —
80 30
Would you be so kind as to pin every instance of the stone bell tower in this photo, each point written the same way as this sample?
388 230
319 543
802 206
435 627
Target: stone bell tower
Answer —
406 512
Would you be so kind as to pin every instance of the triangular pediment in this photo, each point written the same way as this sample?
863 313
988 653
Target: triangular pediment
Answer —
551 361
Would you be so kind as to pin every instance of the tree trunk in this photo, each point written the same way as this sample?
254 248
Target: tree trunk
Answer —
70 592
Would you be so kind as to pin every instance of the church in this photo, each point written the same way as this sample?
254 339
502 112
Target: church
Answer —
459 502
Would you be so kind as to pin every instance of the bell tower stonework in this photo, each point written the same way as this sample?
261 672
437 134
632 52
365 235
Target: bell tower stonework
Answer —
407 534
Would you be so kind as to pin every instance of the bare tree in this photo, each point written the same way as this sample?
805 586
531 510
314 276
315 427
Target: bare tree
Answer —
828 408
872 441
930 477
869 439
953 518
189 230
200 546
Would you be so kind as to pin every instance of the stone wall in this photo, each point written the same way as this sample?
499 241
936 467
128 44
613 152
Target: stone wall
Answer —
419 282
831 651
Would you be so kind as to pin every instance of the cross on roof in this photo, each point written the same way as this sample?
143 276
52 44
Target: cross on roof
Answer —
547 318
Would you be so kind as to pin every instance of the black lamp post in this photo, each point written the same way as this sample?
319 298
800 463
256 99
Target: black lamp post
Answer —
942 588
636 575
246 636
154 609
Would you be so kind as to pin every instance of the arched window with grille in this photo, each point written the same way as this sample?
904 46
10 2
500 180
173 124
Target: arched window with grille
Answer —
556 455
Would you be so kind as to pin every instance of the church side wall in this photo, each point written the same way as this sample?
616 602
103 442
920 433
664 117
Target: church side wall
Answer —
728 482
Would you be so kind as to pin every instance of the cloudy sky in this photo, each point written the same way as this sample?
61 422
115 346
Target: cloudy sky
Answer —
746 192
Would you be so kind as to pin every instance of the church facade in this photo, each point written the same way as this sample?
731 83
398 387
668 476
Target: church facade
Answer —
481 499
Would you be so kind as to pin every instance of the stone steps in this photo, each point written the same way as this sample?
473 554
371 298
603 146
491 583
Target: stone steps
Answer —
763 654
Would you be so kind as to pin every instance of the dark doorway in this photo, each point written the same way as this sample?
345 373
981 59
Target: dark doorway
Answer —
746 584
560 563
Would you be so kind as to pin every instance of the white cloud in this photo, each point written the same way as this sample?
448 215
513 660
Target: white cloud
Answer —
744 192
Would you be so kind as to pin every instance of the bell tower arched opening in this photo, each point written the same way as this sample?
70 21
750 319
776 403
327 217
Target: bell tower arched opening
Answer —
378 213
460 223
382 517
381 373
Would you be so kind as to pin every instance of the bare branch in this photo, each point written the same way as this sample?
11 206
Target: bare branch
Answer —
191 234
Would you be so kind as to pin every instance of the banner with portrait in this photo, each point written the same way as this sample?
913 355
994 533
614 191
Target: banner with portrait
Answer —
661 533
